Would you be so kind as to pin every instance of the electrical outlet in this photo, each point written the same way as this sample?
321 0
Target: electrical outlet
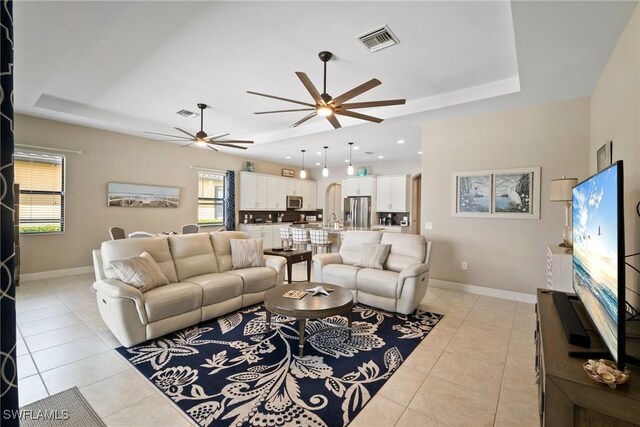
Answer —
464 265
428 225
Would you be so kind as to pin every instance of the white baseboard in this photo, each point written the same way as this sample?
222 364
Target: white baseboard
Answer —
56 273
481 290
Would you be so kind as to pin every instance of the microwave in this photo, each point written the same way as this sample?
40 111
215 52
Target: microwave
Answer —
294 202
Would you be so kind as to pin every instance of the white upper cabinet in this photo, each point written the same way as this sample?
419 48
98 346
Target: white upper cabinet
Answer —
359 186
269 192
392 193
309 189
276 193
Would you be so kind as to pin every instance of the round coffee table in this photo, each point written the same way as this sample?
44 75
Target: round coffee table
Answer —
309 307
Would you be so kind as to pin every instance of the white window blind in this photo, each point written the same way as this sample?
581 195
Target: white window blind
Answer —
210 198
41 180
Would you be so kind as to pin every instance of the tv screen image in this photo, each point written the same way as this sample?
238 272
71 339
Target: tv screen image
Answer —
598 279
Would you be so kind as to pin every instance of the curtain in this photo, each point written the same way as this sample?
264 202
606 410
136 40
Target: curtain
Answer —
230 201
9 380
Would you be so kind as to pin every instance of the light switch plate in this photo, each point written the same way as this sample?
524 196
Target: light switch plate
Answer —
428 225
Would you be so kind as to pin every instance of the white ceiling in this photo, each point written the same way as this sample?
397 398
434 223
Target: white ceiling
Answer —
129 66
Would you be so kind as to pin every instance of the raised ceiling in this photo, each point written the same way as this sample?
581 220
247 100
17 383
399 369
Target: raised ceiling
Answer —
130 66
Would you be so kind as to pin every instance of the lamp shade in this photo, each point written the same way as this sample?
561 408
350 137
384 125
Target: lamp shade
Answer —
560 190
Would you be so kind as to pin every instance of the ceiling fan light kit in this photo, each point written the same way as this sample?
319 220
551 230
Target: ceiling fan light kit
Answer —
325 105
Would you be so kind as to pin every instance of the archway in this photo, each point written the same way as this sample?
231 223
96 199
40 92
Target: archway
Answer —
333 203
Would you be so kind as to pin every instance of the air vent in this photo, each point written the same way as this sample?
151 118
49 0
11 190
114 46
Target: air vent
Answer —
378 39
369 152
186 113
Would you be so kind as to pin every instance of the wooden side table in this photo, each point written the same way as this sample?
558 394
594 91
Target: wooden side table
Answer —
292 257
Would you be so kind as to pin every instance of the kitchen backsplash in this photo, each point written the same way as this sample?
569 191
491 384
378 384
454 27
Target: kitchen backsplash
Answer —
390 218
289 216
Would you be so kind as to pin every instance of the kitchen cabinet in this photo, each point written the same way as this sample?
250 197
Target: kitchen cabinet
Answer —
309 189
269 233
276 193
269 192
253 191
359 186
294 187
392 193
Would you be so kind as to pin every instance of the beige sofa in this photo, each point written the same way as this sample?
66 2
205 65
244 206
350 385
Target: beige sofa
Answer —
399 287
201 286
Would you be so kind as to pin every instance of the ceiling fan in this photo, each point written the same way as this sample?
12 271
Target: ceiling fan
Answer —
328 107
202 138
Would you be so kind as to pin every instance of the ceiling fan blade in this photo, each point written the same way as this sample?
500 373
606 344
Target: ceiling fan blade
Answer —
229 145
356 105
184 131
281 99
285 111
358 116
216 136
304 119
165 134
310 87
334 121
213 148
234 141
356 91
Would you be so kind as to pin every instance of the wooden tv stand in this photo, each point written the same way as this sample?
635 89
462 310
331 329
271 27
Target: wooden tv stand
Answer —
566 396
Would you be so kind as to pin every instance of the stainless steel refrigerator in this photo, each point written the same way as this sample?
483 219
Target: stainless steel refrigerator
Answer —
357 212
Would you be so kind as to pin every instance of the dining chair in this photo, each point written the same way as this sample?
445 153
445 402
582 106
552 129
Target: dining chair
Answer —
117 233
190 229
285 237
319 239
137 234
300 237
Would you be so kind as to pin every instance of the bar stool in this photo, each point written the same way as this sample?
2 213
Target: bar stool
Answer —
320 239
285 237
300 237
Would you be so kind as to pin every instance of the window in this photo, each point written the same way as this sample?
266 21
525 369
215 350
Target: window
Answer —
211 198
41 179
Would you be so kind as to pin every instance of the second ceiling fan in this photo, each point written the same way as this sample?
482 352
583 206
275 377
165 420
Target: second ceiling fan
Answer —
201 136
328 107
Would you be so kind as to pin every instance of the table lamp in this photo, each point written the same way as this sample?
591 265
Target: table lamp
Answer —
561 191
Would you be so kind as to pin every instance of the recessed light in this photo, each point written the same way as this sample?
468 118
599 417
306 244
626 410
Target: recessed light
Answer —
319 153
346 161
317 163
381 156
288 157
355 147
419 152
401 141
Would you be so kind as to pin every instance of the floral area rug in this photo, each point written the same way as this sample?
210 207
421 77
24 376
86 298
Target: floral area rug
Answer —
229 371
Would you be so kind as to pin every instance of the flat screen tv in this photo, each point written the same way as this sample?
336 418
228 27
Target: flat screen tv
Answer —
598 255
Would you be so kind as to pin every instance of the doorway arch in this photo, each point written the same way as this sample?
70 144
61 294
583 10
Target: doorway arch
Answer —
333 202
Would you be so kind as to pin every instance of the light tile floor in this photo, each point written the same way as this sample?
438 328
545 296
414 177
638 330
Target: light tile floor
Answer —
475 368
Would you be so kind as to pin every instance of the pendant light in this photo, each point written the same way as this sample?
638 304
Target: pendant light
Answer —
303 173
350 169
325 171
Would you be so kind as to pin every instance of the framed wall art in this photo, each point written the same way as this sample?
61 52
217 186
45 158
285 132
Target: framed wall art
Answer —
289 173
502 193
604 156
142 196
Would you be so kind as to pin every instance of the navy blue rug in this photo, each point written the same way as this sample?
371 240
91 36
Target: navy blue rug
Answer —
229 372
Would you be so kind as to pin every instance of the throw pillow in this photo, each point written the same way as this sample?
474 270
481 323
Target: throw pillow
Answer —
246 253
142 272
373 255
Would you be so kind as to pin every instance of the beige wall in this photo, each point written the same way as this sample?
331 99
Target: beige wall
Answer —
615 116
506 254
113 157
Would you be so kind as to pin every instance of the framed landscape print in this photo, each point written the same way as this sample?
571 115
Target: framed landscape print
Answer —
604 156
142 196
503 193
473 194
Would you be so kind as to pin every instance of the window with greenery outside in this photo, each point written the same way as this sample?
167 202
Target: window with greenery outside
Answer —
211 198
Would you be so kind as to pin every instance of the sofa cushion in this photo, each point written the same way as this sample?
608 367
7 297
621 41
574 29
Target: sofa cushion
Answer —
192 255
340 274
140 272
406 250
218 287
378 282
158 248
373 255
171 300
255 279
351 247
222 247
246 253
